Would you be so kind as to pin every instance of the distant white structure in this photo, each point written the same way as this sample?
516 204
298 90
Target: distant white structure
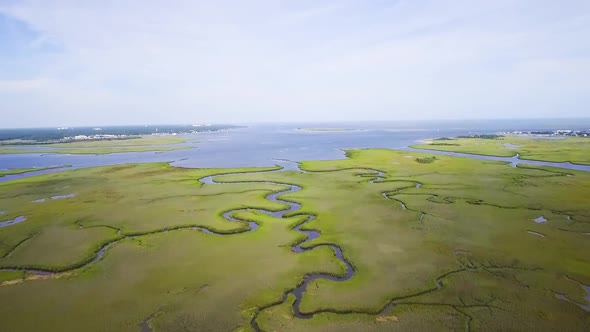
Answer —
93 137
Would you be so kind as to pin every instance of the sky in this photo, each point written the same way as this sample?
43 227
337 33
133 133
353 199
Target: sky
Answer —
83 62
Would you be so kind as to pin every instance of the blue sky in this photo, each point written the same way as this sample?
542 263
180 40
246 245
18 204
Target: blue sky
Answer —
138 62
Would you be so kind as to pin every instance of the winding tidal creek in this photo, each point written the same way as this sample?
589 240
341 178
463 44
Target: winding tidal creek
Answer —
297 248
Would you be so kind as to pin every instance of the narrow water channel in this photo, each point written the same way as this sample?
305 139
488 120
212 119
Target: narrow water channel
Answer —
299 247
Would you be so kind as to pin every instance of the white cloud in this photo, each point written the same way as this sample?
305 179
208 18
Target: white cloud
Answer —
121 61
22 85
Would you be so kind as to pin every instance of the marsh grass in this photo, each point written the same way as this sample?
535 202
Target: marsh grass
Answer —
469 206
572 149
142 144
14 171
459 257
426 160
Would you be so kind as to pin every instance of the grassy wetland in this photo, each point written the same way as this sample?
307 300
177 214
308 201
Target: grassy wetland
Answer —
136 144
14 171
571 149
383 240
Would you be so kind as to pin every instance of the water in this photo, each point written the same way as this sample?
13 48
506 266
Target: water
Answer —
63 196
297 248
536 233
583 306
540 220
57 197
11 222
261 145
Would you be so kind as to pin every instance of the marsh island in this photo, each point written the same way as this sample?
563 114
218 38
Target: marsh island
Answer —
381 240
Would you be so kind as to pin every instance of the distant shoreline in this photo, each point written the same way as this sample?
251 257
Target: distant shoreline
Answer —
35 136
328 130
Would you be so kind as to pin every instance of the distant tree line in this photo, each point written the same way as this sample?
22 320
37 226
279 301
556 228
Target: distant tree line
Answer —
50 135
487 136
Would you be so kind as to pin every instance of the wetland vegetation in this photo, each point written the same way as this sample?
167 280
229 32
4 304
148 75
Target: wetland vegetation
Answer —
374 242
14 171
557 149
139 144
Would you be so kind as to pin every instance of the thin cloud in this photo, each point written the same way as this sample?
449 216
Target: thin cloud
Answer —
115 62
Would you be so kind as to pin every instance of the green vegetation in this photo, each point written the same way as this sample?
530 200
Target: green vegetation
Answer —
454 253
140 144
468 221
11 275
445 144
482 136
158 206
14 171
426 160
572 149
135 141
